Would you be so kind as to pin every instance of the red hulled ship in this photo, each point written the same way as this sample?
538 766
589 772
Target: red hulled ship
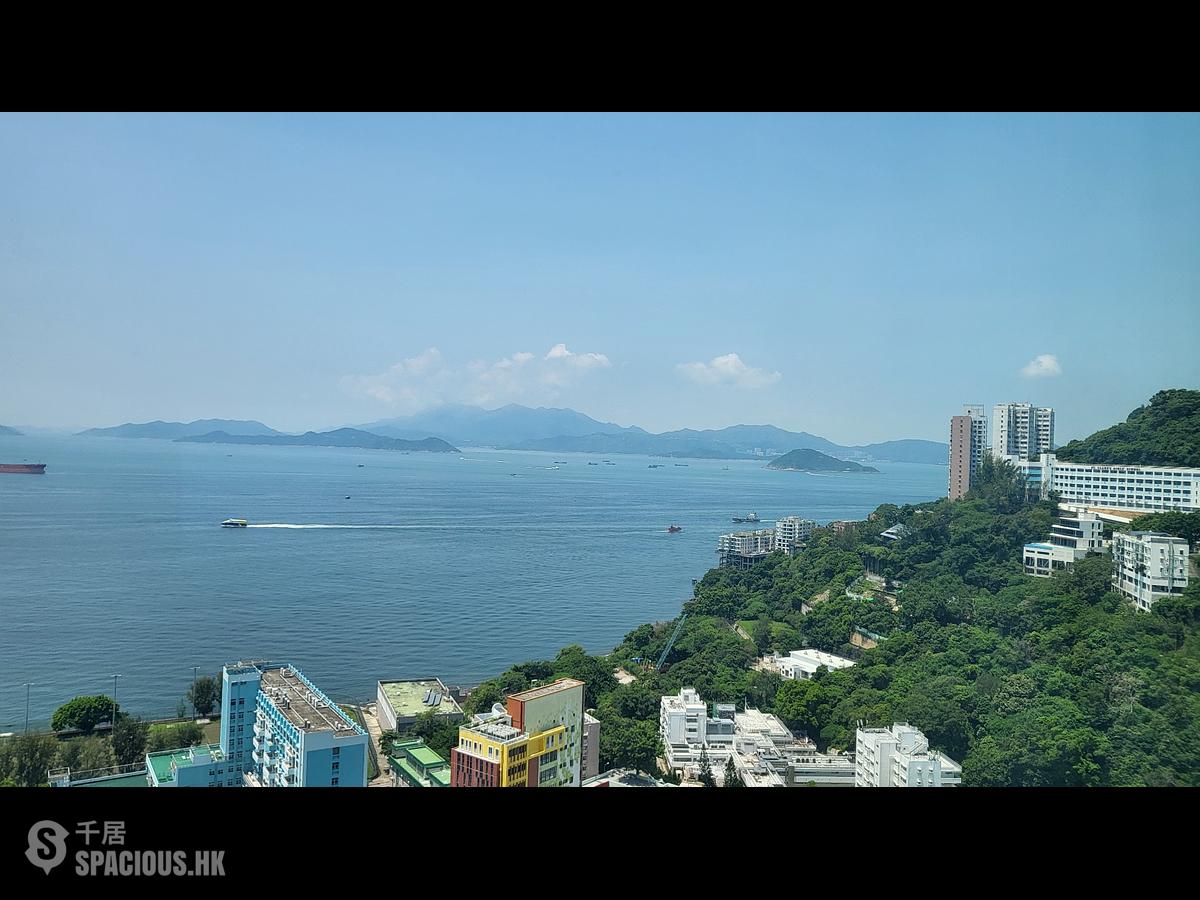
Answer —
24 468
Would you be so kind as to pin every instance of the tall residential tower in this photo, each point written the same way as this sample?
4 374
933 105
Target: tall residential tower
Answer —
968 440
1021 429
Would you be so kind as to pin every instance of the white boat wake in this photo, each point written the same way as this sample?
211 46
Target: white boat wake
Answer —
288 525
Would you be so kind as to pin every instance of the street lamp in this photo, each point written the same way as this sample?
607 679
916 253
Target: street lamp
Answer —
28 685
114 715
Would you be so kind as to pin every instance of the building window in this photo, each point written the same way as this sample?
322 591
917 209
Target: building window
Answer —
333 782
337 751
336 766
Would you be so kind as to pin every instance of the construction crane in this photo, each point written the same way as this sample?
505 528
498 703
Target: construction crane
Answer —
662 657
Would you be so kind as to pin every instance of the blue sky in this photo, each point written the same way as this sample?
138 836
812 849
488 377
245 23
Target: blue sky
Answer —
859 277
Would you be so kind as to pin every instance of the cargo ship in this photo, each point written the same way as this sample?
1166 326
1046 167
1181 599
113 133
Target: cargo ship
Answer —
753 517
24 468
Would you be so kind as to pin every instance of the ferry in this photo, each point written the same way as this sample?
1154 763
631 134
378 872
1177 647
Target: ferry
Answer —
753 517
234 523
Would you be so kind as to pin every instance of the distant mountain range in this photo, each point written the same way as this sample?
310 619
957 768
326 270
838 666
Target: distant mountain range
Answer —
815 461
515 427
341 437
5 429
169 431
505 427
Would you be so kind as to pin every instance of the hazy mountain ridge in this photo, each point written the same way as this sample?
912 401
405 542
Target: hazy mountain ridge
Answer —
9 430
503 427
340 437
172 430
557 430
737 442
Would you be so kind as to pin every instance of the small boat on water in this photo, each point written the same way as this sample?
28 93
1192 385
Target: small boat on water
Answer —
234 523
593 464
673 529
752 517
682 465
361 465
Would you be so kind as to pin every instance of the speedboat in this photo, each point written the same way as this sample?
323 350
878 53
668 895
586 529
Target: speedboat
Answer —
234 523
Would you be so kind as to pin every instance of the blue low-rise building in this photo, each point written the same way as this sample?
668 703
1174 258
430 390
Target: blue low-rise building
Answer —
278 729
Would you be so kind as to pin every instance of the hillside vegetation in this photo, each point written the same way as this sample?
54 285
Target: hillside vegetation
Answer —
1166 432
1027 682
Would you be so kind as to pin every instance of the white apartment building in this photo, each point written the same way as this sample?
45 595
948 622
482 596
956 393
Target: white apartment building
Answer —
742 549
1021 429
792 531
1149 565
979 433
1042 560
1134 488
687 729
767 754
803 664
1073 537
900 757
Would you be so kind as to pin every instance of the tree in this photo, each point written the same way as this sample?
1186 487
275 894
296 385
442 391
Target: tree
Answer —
205 694
732 778
85 754
629 744
706 772
172 737
438 732
386 740
595 672
482 697
760 633
129 739
84 713
26 758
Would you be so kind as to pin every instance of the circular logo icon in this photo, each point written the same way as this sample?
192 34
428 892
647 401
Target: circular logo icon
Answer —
47 845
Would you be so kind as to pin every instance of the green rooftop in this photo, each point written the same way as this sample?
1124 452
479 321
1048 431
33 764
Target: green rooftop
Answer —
137 779
407 698
161 761
418 765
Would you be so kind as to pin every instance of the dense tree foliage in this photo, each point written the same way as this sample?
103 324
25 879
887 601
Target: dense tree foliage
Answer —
129 738
25 758
706 777
205 694
438 732
85 754
84 713
171 737
1184 525
731 777
1164 433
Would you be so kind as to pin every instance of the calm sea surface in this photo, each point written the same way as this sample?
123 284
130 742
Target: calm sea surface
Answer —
455 565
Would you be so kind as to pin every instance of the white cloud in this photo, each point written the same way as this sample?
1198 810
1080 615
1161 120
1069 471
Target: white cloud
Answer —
427 379
1044 366
580 360
728 369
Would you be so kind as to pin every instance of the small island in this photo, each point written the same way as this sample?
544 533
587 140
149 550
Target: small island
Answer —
6 429
341 437
815 461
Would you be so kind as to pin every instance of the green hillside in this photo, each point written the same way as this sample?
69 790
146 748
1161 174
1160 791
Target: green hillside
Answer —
1166 432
